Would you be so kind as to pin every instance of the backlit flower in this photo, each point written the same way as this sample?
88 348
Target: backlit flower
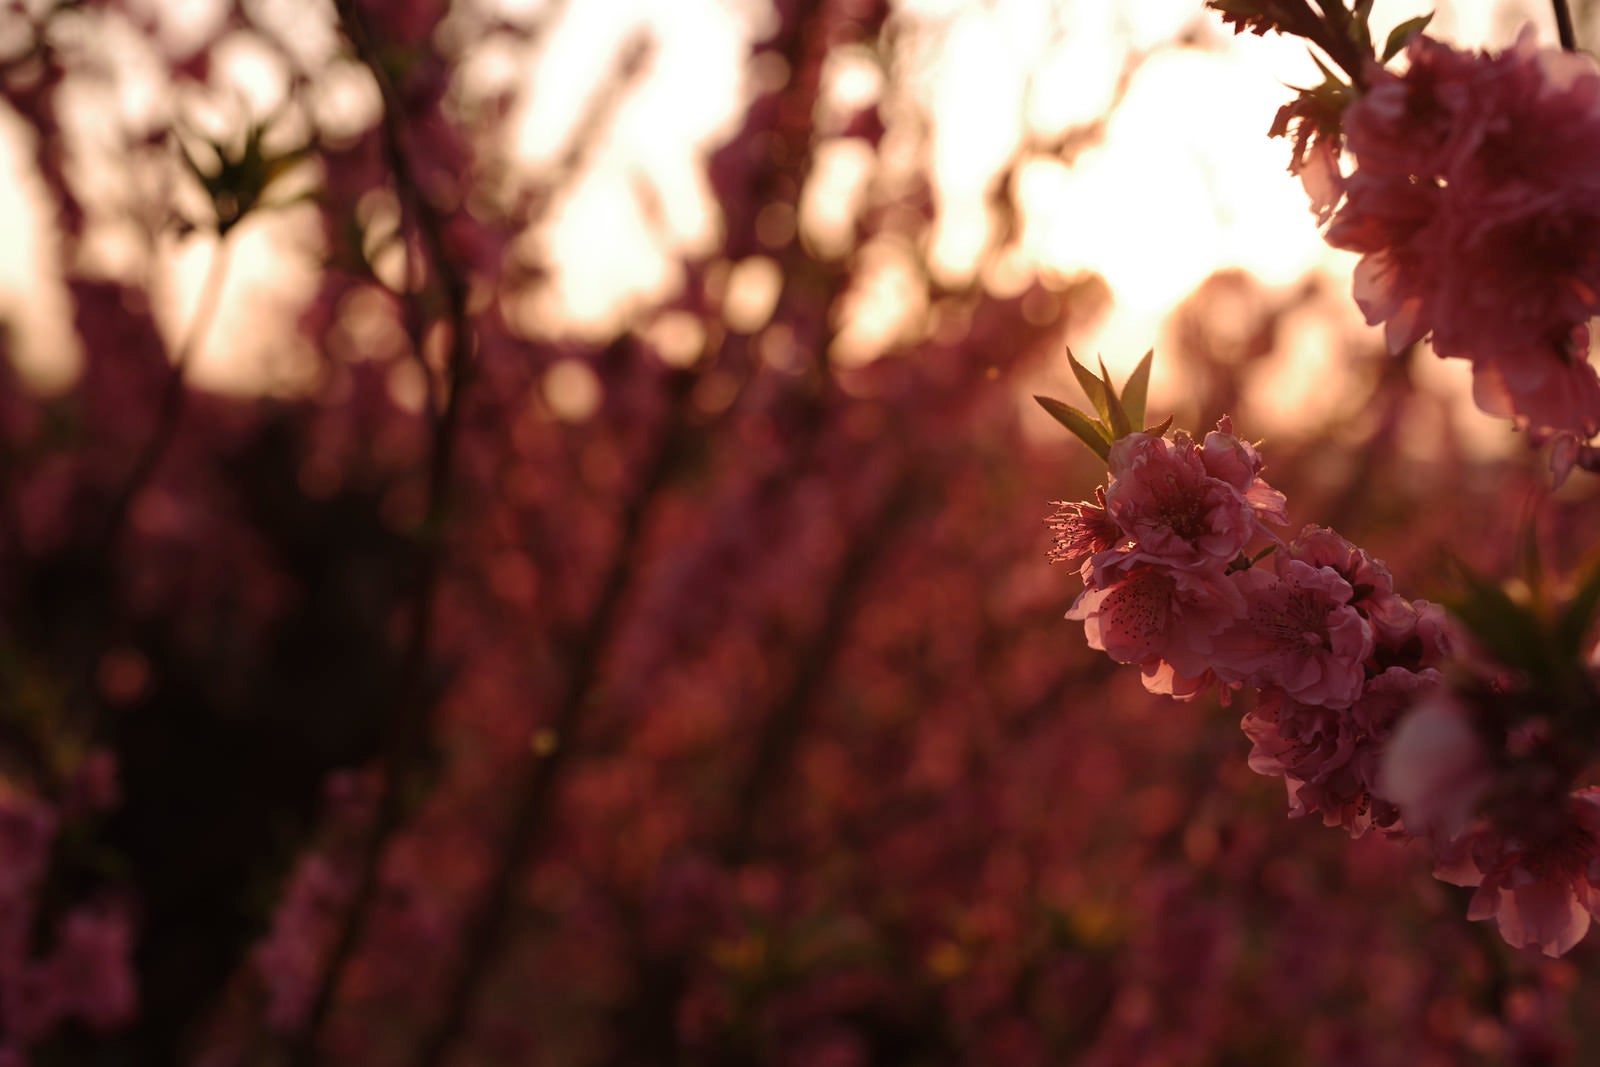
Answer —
1298 633
1475 204
1150 615
1186 505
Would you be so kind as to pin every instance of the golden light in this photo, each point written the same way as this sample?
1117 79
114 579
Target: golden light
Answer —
1172 179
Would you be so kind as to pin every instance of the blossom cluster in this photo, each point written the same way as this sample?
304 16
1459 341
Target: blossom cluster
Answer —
1469 192
1363 702
1473 206
84 975
1314 625
1466 183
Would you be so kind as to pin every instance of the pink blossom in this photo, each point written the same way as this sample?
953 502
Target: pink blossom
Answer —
1329 758
1312 749
1541 894
1162 678
1408 633
1435 768
1238 463
1082 529
1150 615
1474 206
1298 633
1183 505
1370 580
92 968
27 830
288 958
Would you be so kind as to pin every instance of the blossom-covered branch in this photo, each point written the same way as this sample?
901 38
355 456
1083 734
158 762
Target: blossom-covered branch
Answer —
1377 710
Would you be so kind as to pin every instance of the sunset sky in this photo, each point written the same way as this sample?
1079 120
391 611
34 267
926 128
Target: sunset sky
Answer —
1181 183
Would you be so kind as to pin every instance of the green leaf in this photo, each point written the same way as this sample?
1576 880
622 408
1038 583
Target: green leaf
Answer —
1510 632
1136 388
1087 430
1577 617
1360 31
1121 426
1401 35
1092 387
1160 429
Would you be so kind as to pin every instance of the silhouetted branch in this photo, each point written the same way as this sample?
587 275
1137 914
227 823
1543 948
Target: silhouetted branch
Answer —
408 737
173 393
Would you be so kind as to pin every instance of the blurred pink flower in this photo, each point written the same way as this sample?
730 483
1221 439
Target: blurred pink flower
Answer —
1435 768
1540 894
1475 204
1298 633
288 958
27 832
92 968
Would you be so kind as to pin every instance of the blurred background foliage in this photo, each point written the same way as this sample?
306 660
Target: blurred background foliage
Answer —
542 503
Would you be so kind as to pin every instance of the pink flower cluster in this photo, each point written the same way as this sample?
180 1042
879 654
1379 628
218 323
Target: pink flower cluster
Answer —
1316 628
1475 205
1500 813
1172 520
1541 887
1351 705
85 974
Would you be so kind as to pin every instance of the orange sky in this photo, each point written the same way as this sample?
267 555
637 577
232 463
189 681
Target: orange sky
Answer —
1183 183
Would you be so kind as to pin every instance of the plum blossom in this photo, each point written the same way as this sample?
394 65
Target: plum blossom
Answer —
1298 633
1330 758
1540 893
1188 505
1371 585
1475 205
1152 615
1082 529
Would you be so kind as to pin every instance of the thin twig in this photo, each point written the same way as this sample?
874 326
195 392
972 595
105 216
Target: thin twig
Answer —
173 394
408 736
1569 39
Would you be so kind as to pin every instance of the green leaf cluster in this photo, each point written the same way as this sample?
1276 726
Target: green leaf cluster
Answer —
1401 35
1525 627
239 180
1116 414
1360 30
